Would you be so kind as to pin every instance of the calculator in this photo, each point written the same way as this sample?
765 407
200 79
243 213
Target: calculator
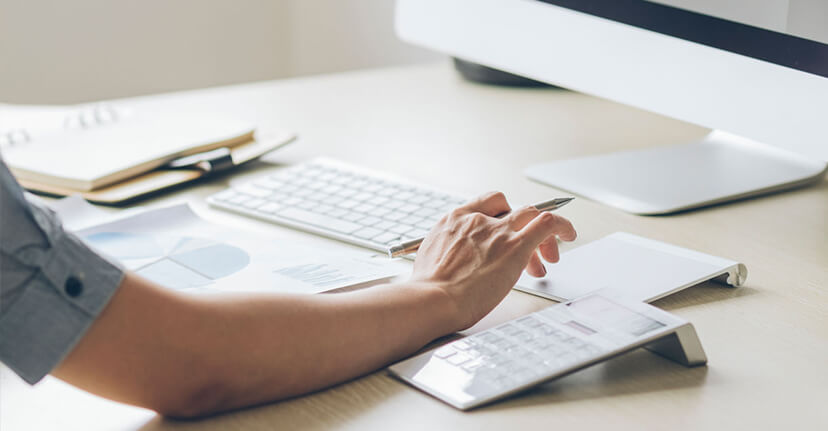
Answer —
545 345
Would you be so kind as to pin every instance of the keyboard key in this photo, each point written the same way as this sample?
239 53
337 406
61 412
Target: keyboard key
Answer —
362 196
365 208
269 208
370 221
386 238
320 220
331 189
436 203
388 191
419 199
373 188
394 204
353 217
319 197
307 205
424 224
367 233
381 212
404 196
384 224
324 209
416 233
341 200
408 208
411 220
337 212
424 212
254 203
395 216
401 229
277 197
377 200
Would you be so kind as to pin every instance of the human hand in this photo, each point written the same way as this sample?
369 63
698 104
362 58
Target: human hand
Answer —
476 258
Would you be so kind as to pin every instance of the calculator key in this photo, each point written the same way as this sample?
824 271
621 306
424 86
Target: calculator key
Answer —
458 358
472 365
460 345
444 352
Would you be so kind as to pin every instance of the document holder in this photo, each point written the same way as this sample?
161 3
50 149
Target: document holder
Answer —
178 172
630 267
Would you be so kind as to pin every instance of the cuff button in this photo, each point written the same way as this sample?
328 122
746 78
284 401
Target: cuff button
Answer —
73 287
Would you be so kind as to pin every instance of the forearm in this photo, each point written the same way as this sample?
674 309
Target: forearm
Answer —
185 356
275 347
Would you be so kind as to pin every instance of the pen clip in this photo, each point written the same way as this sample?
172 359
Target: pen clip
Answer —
209 161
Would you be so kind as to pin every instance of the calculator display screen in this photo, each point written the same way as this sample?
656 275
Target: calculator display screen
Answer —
615 316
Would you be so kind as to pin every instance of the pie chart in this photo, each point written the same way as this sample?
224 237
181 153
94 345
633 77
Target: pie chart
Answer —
175 262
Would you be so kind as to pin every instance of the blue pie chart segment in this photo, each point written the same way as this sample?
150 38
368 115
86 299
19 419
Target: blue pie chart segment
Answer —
213 261
174 262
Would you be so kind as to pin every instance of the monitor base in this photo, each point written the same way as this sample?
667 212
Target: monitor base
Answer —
719 168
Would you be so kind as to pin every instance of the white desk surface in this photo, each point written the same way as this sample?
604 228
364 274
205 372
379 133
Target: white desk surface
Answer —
767 341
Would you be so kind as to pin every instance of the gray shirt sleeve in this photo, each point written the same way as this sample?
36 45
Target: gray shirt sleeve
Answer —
52 286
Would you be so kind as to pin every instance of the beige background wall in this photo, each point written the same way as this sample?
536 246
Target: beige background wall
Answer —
68 51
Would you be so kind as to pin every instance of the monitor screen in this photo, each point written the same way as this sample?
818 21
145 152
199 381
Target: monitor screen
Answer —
790 33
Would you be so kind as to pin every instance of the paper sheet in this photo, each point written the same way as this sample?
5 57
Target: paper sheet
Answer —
179 250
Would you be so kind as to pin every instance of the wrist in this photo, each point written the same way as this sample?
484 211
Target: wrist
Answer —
444 309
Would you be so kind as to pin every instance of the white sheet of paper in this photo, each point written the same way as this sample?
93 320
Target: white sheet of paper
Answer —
629 267
76 213
179 250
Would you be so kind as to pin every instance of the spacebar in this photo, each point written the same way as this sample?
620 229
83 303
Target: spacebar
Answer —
319 220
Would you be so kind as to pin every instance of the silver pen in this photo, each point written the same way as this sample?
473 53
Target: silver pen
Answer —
412 245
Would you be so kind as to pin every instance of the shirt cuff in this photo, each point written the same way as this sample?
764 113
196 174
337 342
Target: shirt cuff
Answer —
73 285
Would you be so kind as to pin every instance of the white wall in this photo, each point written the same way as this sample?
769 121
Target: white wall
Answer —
68 51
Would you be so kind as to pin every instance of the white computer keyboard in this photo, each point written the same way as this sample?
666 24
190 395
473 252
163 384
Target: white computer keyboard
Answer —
341 201
532 349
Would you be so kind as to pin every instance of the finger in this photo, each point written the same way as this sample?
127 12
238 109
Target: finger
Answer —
549 249
492 204
544 226
520 218
535 267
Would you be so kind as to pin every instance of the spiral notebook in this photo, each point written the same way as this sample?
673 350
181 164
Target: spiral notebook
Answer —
112 154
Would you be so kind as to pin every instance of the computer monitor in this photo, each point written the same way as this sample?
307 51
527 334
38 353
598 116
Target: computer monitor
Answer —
753 71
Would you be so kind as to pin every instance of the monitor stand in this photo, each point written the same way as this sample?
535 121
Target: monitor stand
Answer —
719 168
